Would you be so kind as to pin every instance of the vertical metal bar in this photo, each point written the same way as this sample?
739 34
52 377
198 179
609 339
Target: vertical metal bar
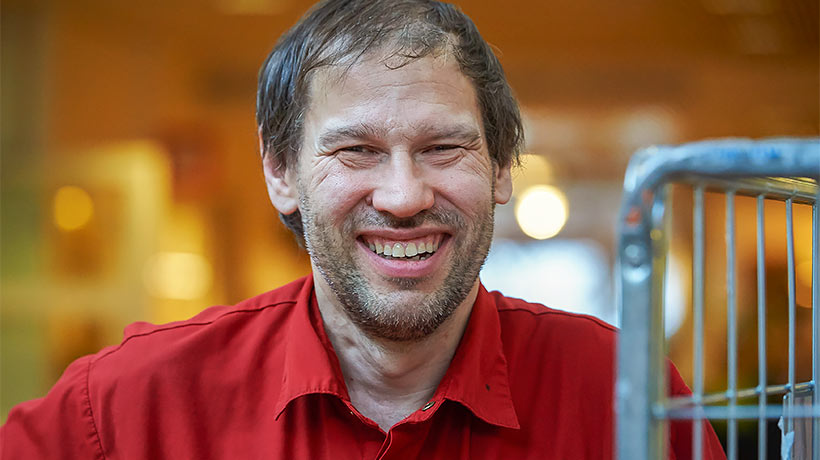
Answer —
790 257
761 330
815 320
731 320
636 433
658 388
697 304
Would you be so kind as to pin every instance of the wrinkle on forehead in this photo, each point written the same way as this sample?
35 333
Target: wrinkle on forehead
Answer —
334 82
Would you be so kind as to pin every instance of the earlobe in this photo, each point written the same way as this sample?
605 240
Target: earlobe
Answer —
503 184
282 192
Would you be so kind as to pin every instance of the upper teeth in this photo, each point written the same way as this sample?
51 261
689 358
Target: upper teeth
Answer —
404 249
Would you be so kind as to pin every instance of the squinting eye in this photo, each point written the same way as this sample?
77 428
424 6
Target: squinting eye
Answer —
359 156
359 149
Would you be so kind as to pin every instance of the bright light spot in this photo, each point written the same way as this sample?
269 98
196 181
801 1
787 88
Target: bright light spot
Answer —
178 275
674 297
541 211
73 208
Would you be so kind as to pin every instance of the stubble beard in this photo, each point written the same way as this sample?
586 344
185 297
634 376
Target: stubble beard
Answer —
404 313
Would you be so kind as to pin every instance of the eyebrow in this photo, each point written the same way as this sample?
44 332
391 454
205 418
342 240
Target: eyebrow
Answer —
463 132
341 134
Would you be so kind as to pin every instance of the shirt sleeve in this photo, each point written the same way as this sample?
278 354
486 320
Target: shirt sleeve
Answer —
58 426
680 432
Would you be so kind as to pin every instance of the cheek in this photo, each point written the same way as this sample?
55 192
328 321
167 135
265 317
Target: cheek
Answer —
336 195
470 194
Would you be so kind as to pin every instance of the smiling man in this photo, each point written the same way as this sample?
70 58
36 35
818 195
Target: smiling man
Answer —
396 189
387 132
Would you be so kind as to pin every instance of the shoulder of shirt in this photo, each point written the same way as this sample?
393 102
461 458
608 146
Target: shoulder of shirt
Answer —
557 340
207 319
511 306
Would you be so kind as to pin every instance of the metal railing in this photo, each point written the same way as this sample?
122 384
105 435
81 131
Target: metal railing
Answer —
786 170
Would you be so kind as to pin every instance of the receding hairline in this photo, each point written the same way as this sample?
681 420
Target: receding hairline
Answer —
392 51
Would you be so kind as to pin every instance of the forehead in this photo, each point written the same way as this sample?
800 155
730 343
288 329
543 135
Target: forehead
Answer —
393 93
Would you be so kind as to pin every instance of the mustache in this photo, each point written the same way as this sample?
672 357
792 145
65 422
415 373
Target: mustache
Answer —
436 216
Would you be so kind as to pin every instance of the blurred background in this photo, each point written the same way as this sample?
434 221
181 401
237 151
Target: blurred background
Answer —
132 187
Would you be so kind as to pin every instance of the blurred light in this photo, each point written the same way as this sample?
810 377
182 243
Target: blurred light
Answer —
251 7
553 130
537 165
178 275
73 208
541 211
674 297
534 170
567 274
644 127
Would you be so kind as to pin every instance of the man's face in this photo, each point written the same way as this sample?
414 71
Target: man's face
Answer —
397 191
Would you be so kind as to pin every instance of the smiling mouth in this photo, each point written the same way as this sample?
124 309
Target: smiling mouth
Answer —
412 250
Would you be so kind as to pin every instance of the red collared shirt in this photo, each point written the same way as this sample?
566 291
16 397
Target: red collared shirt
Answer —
261 380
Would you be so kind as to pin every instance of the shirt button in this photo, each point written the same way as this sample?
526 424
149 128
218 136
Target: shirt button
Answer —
428 405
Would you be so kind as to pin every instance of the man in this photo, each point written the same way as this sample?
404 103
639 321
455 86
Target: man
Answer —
388 132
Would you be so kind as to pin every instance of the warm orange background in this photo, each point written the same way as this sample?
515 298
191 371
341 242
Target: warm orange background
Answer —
148 106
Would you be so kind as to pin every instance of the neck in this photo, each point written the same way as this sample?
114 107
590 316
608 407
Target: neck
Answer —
387 380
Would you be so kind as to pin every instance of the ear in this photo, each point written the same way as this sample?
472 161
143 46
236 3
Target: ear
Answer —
281 185
503 184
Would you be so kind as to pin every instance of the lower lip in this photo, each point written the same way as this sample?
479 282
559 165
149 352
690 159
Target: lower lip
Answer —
398 268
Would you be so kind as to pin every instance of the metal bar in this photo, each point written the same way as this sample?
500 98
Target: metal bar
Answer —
790 263
730 159
801 191
761 329
635 436
747 168
658 392
800 389
697 301
815 320
773 411
731 322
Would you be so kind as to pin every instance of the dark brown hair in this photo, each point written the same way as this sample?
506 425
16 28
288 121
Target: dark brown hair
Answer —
337 32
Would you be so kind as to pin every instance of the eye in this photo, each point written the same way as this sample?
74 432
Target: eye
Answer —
359 156
444 148
360 150
443 154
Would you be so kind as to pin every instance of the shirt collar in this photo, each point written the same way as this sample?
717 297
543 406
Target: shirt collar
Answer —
477 377
311 365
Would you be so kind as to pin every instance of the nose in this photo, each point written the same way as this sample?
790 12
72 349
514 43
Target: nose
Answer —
402 190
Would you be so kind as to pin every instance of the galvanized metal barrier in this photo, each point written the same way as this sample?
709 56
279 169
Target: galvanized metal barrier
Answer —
787 170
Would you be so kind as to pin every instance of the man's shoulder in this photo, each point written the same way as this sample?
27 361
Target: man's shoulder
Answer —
219 333
219 315
546 316
577 351
551 328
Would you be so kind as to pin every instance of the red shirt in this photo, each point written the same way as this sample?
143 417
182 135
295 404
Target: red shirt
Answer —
261 380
